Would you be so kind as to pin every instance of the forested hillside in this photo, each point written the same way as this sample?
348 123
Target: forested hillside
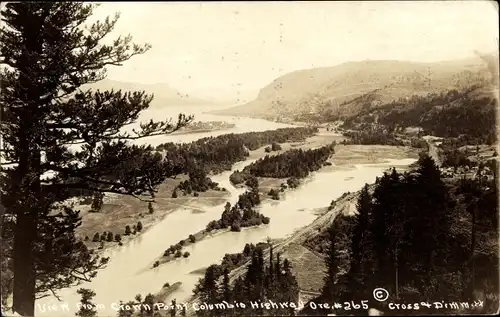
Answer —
419 237
470 113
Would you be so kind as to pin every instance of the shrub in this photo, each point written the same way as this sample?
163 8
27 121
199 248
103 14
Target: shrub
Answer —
195 194
235 227
156 264
166 285
186 254
103 236
86 238
150 208
266 220
178 254
274 194
192 238
236 178
174 194
109 238
252 182
275 146
96 237
181 242
139 226
293 182
118 237
167 252
267 149
127 230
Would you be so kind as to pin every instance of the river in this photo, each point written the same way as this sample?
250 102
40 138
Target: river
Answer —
125 275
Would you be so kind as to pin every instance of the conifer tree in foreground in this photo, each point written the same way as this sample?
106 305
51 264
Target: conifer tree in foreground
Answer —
87 308
59 139
360 243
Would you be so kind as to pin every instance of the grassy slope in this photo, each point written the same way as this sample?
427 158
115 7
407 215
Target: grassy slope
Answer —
338 88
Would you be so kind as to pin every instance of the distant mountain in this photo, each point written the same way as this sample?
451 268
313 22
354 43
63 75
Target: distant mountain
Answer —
164 95
343 90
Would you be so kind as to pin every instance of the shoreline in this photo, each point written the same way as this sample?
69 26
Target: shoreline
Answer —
167 206
172 205
268 183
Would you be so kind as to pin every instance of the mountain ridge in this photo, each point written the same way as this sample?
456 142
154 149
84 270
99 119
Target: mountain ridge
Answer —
335 89
164 94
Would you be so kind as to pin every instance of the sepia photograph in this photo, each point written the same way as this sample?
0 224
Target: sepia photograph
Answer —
268 158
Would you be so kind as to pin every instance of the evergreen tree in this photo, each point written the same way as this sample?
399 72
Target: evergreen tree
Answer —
173 311
209 291
226 292
331 262
126 312
430 221
147 309
97 202
87 308
48 56
360 251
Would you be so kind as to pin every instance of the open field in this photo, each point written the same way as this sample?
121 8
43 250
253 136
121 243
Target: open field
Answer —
308 267
119 211
348 155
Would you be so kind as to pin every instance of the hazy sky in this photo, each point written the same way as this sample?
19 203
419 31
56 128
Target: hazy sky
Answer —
219 48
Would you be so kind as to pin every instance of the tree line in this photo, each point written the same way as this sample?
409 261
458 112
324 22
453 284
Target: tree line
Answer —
418 237
242 214
296 163
264 281
216 154
198 182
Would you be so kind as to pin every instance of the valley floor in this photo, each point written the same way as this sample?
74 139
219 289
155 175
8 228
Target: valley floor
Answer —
118 211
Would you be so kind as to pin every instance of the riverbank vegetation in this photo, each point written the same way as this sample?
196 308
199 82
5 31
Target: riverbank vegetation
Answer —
295 163
418 236
241 215
198 182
